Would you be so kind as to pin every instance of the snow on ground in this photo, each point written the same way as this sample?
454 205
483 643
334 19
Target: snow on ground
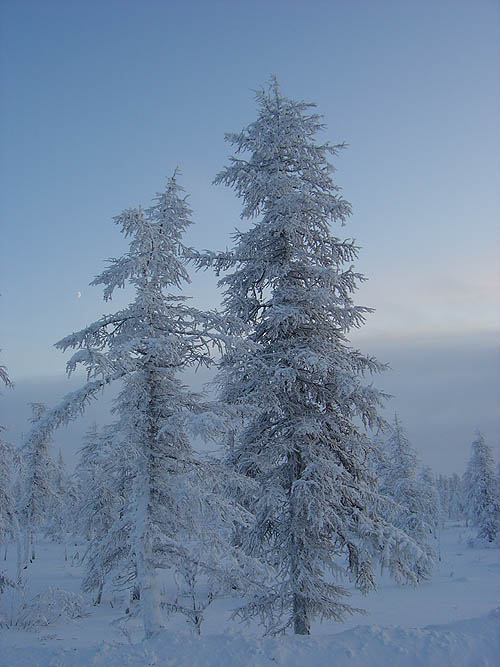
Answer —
452 621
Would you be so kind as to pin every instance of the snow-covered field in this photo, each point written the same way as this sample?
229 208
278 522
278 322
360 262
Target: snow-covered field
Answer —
451 621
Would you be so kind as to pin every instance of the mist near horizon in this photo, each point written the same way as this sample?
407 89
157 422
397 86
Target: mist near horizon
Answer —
442 389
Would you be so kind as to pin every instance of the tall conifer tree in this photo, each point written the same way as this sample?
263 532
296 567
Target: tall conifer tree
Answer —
289 285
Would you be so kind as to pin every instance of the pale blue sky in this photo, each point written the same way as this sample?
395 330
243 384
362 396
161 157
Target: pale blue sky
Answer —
100 101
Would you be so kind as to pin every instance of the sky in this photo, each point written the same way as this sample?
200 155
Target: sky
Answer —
101 101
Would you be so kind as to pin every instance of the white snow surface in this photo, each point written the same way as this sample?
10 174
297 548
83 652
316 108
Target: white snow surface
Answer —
451 621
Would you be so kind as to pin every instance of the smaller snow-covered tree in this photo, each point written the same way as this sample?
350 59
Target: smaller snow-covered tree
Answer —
481 491
433 514
443 489
8 520
146 346
430 497
456 497
9 527
59 516
7 510
410 496
39 495
451 500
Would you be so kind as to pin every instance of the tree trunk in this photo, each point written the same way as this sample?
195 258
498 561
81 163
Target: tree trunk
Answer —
301 622
99 593
19 553
150 598
147 580
28 546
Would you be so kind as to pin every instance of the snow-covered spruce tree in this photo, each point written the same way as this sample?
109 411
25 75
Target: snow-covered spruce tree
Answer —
146 346
59 515
443 488
433 512
481 491
409 510
289 283
39 495
456 506
7 508
8 519
432 506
